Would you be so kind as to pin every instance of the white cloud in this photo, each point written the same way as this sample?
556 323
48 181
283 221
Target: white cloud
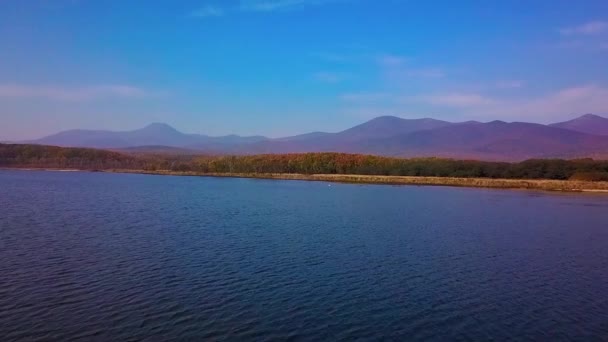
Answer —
279 5
590 28
556 105
208 11
464 100
331 57
391 61
451 99
365 97
425 73
70 94
581 45
330 77
551 107
258 6
510 84
397 68
269 5
581 99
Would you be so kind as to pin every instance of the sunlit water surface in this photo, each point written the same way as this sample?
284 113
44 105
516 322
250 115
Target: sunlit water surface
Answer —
116 257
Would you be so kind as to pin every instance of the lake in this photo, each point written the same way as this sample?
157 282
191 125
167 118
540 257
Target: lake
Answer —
117 257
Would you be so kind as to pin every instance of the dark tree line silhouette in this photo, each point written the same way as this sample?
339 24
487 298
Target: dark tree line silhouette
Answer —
37 156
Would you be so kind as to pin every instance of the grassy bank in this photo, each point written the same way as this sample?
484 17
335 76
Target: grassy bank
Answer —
535 184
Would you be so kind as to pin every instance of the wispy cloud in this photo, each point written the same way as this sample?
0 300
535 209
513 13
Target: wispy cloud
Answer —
279 5
331 57
441 100
425 73
365 97
58 93
391 61
581 99
398 68
549 107
581 44
452 99
258 6
208 11
330 77
557 105
590 28
510 84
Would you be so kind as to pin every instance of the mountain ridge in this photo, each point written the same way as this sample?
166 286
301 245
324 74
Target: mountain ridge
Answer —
384 135
587 123
153 134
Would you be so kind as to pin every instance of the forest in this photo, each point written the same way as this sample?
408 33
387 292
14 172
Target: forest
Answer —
51 157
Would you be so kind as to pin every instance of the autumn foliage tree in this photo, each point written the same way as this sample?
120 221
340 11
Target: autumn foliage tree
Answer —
36 156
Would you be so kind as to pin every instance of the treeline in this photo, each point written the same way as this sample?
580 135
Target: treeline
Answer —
36 156
339 163
39 156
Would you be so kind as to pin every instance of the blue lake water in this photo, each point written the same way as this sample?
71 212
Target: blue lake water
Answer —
119 257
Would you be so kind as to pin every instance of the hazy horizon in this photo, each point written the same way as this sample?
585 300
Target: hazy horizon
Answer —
285 67
262 135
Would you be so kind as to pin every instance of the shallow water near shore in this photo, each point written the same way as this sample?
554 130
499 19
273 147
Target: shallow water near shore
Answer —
101 256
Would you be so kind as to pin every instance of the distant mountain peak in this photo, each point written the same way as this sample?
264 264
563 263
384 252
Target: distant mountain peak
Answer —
397 118
589 116
387 126
159 126
386 117
587 123
158 129
586 136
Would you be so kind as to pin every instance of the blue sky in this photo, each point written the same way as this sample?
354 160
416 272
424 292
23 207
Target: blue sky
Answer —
282 67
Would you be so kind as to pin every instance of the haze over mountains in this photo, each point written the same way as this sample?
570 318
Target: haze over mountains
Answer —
155 134
585 136
588 123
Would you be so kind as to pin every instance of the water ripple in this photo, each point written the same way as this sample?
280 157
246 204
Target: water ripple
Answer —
102 257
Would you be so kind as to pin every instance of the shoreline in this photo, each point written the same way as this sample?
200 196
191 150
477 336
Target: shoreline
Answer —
494 183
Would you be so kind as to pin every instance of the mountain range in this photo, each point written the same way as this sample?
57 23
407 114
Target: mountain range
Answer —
585 136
